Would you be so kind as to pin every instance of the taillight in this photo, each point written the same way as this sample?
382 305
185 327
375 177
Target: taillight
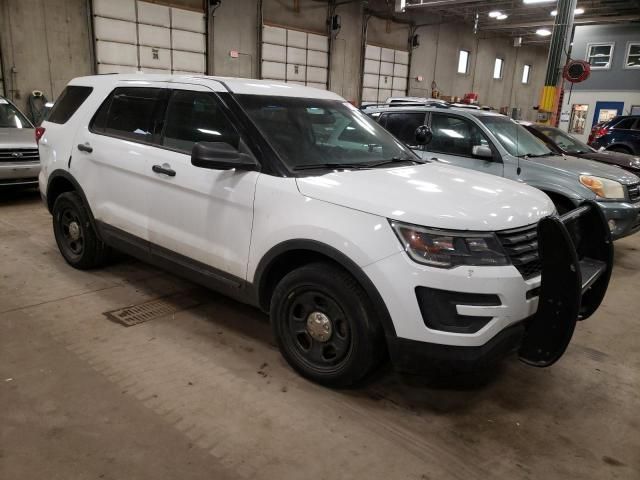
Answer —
600 132
39 134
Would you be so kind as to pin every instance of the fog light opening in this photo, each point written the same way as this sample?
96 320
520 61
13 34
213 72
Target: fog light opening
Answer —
612 225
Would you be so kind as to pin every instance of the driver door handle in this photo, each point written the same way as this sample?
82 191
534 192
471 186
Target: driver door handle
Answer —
164 169
85 147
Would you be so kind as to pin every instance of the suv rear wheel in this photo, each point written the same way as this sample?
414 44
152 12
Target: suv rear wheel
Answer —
325 326
75 236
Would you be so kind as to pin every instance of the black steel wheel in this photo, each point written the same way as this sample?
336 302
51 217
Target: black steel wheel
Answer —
325 326
76 238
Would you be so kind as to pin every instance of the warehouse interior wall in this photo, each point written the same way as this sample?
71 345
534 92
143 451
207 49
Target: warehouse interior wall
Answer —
45 43
46 55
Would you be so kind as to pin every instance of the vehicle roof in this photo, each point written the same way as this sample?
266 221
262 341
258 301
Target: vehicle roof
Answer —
236 85
432 108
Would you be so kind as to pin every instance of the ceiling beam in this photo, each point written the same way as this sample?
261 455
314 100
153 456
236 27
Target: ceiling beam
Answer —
550 23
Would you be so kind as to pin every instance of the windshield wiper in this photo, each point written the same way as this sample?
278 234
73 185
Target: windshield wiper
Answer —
397 160
336 165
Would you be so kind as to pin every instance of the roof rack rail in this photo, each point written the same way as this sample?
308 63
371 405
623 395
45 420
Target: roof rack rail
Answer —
407 104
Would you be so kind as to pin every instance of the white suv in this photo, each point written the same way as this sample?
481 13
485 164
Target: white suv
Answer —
292 200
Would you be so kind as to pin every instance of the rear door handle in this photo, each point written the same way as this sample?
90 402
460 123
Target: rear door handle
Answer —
164 169
85 147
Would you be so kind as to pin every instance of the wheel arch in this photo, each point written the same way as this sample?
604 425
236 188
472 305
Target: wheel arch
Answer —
61 181
620 146
291 254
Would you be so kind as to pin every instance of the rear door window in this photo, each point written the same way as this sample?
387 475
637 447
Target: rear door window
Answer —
403 126
68 103
196 117
626 124
132 113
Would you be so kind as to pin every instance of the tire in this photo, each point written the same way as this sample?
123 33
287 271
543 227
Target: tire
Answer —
345 352
76 238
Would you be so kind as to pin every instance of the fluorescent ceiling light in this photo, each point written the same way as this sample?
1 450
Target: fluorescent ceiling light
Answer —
543 32
577 11
495 14
502 16
538 1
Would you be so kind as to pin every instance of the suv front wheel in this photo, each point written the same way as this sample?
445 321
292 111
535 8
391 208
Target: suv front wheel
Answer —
76 238
325 326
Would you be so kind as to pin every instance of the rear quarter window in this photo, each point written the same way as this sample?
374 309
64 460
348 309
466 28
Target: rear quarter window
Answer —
70 100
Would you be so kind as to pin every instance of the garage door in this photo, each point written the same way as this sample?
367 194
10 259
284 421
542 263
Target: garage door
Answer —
134 36
294 56
385 73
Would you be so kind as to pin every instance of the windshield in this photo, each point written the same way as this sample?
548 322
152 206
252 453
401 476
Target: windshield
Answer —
308 132
10 117
515 138
565 141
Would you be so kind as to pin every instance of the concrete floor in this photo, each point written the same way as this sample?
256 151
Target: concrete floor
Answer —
203 393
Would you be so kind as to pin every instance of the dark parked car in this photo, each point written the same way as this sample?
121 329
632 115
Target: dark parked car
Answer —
561 142
620 134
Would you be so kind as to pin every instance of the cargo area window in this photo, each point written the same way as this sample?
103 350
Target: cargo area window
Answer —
68 103
599 55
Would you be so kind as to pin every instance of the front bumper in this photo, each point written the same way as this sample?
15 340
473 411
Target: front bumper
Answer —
623 216
536 317
19 173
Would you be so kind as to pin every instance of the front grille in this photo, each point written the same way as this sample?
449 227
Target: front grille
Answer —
19 155
634 192
521 245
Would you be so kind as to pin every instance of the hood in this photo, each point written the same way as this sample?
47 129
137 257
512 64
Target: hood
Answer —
624 160
433 195
575 166
11 138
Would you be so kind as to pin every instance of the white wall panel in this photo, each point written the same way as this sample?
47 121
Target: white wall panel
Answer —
152 36
153 14
115 30
387 55
104 68
154 57
120 9
370 94
116 53
297 56
372 52
383 95
164 71
399 83
317 75
274 35
296 39
188 61
188 41
385 82
401 57
370 81
274 70
386 68
317 59
400 70
317 42
296 72
372 66
321 86
274 53
188 20
398 93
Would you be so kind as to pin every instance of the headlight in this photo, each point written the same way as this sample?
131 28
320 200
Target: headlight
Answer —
446 249
602 187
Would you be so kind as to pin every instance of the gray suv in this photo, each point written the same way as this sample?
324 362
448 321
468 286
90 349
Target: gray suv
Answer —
19 159
493 143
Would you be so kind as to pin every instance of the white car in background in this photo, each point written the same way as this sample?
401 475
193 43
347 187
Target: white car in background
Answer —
19 160
354 245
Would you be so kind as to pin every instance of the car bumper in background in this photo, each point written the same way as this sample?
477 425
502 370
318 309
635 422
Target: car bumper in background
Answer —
623 218
19 174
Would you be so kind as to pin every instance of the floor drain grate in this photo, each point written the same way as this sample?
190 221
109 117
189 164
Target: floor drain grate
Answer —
160 307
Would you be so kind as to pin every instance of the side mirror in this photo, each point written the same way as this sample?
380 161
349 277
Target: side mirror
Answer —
221 156
482 151
423 135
